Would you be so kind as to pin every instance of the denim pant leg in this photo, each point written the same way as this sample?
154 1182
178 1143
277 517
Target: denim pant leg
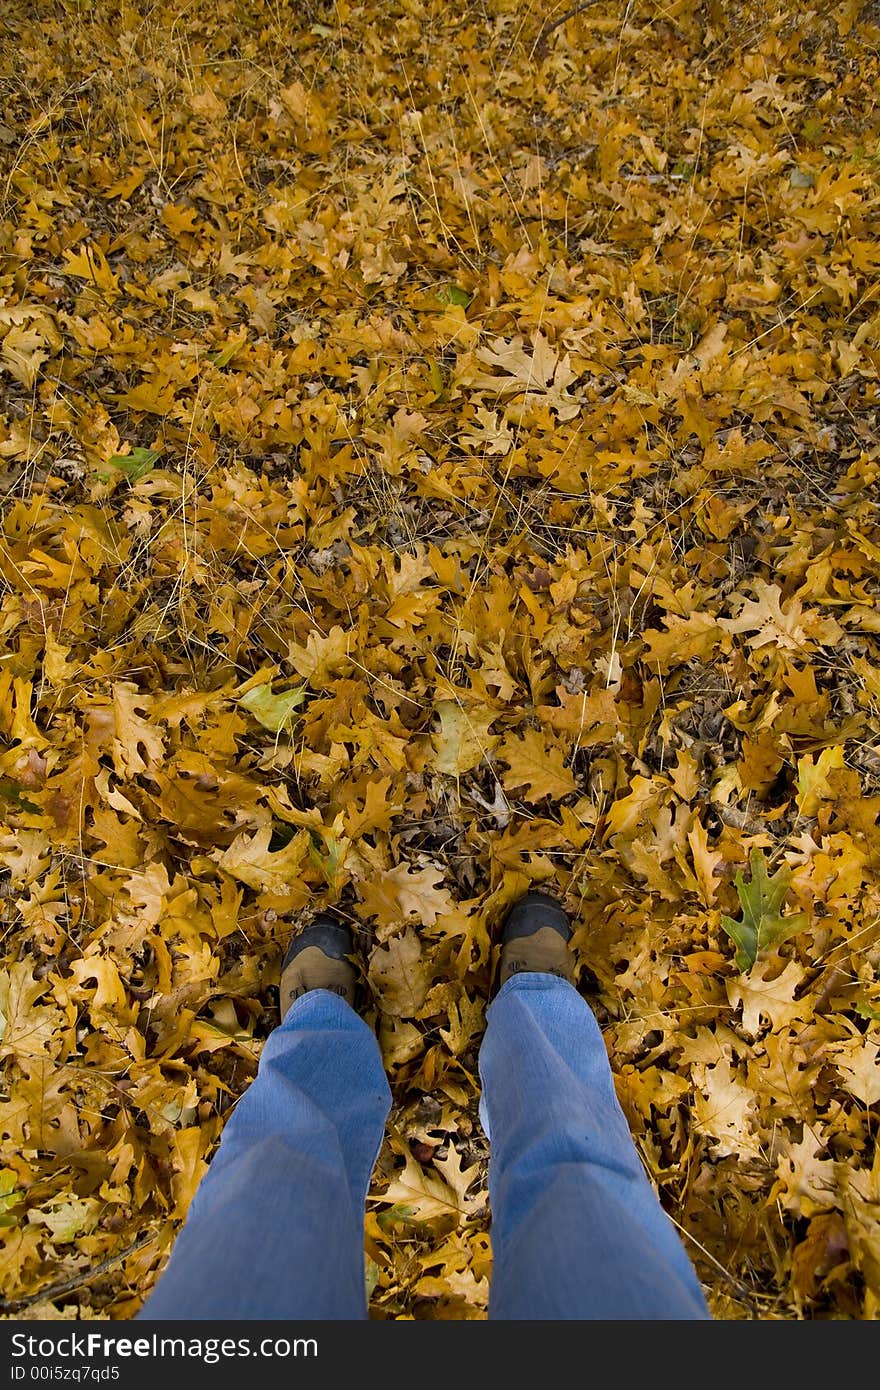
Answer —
577 1229
276 1228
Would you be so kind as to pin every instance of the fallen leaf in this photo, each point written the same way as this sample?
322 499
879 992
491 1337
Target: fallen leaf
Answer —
274 712
534 766
762 926
399 975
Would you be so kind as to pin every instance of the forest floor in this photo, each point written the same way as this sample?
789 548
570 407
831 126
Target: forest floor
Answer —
440 455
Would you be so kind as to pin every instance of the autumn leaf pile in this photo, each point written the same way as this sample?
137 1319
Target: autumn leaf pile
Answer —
439 455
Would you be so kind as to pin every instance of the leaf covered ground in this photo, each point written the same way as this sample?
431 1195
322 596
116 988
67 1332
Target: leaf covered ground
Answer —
439 456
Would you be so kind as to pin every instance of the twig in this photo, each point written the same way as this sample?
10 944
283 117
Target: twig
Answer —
77 1280
540 49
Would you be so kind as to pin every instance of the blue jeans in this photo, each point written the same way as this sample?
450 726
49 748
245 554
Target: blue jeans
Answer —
276 1229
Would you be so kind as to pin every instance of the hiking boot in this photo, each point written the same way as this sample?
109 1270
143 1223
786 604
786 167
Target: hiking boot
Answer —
319 959
535 936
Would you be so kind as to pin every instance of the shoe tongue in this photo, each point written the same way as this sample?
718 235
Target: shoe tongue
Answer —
313 969
543 951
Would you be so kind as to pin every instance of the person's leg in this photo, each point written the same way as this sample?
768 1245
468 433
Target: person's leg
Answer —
577 1230
276 1228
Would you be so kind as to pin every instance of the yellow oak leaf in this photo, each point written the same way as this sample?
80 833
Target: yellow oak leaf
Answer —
379 808
16 722
705 862
812 778
420 1194
420 894
188 1147
459 1292
540 372
725 1110
426 1193
631 814
536 766
26 1029
250 860
697 635
460 1180
771 999
138 744
860 1191
766 619
467 1019
805 1182
399 975
782 1073
90 264
399 1040
858 1061
30 339
321 657
66 1220
463 739
155 396
402 894
490 435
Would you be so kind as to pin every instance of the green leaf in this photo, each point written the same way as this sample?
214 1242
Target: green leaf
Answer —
273 711
865 1011
328 857
762 925
225 355
454 294
137 464
11 1195
435 378
67 1220
385 1220
13 794
812 130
